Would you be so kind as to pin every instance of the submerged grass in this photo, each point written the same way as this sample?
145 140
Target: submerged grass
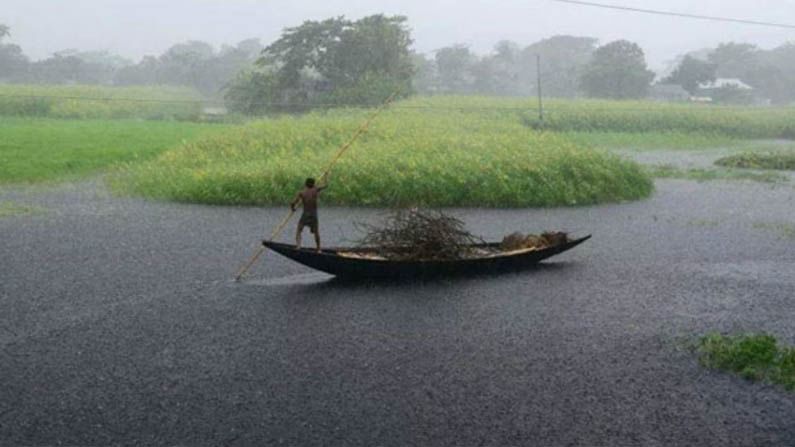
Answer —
755 160
43 149
752 356
409 156
9 209
669 171
786 230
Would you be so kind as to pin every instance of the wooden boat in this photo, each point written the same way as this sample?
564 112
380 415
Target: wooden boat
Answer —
361 264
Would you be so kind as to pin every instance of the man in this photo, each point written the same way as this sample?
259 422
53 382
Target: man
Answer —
308 199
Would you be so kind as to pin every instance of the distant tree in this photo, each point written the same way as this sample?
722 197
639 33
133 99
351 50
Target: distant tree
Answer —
62 68
335 60
425 80
196 64
774 75
13 63
617 70
563 60
734 60
455 68
690 73
498 73
142 73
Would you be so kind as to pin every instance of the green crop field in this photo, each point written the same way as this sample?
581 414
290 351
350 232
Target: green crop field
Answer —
630 117
437 151
98 102
41 149
409 156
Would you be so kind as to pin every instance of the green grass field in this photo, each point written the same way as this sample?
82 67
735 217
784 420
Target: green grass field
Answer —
409 156
629 117
100 102
42 149
437 151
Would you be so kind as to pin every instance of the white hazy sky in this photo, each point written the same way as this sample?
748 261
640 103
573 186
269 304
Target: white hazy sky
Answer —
134 28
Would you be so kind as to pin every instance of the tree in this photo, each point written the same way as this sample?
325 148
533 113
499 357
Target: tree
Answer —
734 60
690 73
340 60
563 60
454 65
13 63
498 73
617 70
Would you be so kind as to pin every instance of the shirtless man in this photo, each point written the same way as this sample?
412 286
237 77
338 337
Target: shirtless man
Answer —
308 199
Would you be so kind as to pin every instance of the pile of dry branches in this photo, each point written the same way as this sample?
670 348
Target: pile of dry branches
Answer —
413 234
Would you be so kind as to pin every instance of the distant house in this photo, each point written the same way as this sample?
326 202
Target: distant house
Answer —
728 91
668 92
725 83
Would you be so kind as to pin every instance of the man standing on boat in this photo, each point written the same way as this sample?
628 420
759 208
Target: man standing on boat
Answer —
308 199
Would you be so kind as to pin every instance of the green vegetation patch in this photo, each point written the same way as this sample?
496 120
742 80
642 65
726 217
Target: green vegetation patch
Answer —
632 117
652 140
754 160
668 171
408 156
786 230
8 209
752 356
41 149
100 102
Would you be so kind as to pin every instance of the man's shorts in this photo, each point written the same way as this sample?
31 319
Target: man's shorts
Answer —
308 220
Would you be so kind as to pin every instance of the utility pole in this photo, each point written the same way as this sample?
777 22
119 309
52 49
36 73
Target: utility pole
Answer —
538 76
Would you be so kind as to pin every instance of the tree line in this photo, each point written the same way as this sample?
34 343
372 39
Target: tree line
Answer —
194 63
342 61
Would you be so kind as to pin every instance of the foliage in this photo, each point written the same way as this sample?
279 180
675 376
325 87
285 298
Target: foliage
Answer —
755 160
617 70
785 229
194 63
335 60
752 356
416 234
454 66
653 140
43 149
699 174
734 60
563 60
410 155
13 62
690 73
510 70
649 116
9 209
85 101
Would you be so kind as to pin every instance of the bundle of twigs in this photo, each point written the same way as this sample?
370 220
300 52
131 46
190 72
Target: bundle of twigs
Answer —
413 234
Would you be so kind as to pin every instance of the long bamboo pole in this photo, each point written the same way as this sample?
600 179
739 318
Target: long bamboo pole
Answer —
362 128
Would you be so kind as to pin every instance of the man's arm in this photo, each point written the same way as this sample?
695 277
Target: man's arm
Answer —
324 181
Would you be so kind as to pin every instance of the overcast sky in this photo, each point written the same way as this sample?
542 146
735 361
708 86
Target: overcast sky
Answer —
134 28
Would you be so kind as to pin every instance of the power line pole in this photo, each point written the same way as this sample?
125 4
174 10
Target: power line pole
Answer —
538 76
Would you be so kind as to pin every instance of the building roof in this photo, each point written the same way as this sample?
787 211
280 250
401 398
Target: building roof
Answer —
725 82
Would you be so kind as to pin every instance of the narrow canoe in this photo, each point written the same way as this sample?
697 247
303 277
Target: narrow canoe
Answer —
352 263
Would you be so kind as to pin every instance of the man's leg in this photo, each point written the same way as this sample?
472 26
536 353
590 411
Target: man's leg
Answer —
317 238
298 231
